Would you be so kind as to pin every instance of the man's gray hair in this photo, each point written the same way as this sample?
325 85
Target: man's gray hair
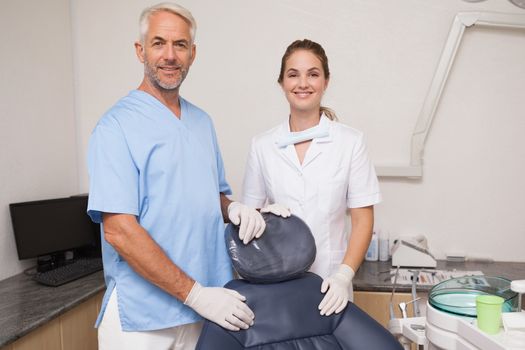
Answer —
166 7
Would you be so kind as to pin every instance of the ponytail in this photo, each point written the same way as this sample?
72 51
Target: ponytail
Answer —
330 113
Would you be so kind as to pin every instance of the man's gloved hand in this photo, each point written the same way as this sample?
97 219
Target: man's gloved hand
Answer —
223 306
277 209
337 285
251 221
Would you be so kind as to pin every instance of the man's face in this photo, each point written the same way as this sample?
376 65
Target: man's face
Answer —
167 51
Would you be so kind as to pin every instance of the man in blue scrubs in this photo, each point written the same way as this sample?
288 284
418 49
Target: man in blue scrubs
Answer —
158 187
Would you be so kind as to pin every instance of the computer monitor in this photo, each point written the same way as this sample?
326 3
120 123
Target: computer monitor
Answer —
49 228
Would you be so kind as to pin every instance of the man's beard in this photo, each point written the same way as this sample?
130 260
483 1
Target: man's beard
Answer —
150 70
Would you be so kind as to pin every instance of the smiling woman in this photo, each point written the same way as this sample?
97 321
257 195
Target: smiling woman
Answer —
311 57
318 168
303 84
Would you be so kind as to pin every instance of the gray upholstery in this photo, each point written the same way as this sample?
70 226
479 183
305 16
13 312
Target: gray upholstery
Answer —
286 250
286 313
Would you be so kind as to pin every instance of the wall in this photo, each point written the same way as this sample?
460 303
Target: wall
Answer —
382 56
471 196
37 126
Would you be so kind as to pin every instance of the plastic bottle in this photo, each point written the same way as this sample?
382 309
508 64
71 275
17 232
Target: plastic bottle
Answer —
384 246
372 253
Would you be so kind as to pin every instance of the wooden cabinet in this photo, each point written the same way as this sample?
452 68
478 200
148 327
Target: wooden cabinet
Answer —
73 330
46 337
377 304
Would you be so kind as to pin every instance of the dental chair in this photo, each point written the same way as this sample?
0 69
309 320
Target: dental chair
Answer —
285 298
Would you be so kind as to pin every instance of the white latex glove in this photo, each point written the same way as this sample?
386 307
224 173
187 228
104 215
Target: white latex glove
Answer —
337 285
223 306
277 209
251 221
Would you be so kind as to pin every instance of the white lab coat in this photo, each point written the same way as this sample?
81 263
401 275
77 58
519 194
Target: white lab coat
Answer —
336 174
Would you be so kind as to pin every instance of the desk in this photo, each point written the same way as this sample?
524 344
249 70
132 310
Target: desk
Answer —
28 307
372 293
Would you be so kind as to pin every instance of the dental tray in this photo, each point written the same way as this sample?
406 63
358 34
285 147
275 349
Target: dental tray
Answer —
458 295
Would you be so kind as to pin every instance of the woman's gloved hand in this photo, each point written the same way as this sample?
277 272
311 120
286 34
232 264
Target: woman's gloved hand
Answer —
277 209
251 221
223 306
337 295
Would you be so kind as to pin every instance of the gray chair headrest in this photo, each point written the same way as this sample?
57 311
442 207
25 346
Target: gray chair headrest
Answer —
285 250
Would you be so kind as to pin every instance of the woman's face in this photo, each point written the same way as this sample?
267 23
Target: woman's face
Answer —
304 82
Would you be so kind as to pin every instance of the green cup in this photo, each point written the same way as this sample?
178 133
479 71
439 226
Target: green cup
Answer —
488 309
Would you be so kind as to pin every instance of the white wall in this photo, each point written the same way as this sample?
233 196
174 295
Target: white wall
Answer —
471 197
38 151
382 56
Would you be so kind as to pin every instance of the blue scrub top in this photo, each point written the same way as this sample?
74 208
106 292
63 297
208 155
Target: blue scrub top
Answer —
169 173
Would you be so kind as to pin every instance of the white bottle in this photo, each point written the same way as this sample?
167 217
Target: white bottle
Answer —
384 246
373 249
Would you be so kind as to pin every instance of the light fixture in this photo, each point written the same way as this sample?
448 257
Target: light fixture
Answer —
519 3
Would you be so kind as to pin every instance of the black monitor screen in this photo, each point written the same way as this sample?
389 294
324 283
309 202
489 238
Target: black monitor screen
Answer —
50 226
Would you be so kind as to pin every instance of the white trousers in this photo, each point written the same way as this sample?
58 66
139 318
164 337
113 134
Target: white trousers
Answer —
111 336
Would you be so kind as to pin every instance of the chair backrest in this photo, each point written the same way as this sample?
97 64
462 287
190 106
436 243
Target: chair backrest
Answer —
286 312
286 317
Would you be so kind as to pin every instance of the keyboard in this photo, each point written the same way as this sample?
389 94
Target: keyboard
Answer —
70 272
